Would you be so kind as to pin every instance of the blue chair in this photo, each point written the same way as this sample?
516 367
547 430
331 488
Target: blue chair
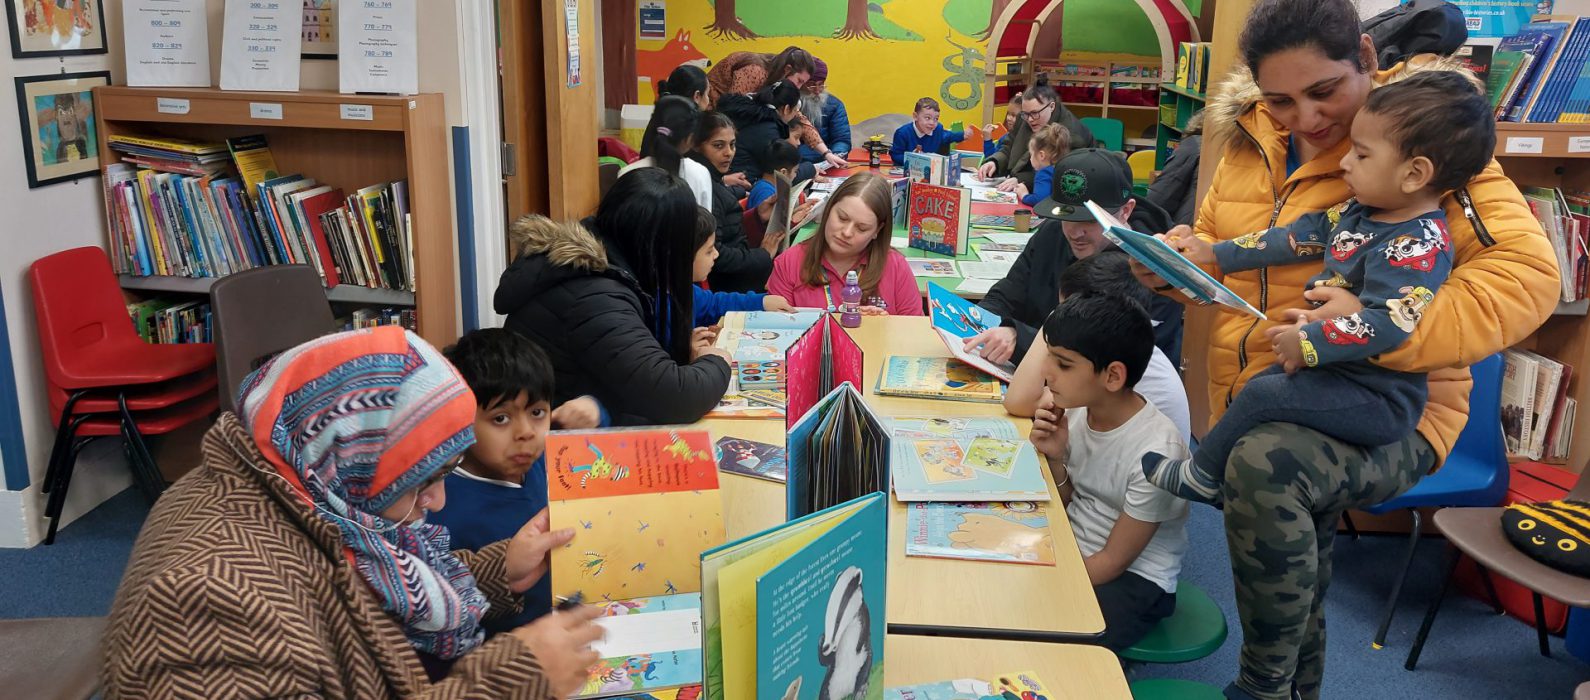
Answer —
1474 475
1107 133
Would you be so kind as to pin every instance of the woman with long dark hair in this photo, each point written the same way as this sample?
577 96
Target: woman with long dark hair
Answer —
610 302
741 267
670 134
689 82
761 119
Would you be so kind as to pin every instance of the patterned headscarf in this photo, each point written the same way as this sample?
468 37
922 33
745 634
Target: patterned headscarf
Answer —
353 421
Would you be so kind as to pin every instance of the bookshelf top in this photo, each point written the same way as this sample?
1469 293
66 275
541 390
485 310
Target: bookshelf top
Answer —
1530 140
307 109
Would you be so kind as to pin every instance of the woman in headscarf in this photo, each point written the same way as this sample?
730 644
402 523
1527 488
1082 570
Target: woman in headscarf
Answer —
296 560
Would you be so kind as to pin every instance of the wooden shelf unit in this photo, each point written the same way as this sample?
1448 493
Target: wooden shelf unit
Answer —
1565 336
1134 118
404 138
1176 105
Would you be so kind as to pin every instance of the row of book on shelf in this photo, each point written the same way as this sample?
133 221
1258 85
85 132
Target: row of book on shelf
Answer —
1192 65
190 209
1565 217
1539 75
163 320
1142 91
1537 412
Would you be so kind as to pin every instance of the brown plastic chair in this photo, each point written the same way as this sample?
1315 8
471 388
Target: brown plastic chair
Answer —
1477 532
260 312
606 175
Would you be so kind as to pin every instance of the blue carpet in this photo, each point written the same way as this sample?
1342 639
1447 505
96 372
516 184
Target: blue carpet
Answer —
1472 652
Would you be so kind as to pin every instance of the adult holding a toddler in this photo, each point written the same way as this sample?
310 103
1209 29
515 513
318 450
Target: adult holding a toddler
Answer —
1289 113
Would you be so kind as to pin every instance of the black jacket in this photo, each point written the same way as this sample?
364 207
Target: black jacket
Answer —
1012 157
755 127
582 306
740 267
1032 288
1176 188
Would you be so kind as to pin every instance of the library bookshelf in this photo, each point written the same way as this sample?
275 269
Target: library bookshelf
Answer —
1556 155
346 141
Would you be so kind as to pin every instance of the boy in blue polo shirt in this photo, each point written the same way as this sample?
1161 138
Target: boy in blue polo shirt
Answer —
924 134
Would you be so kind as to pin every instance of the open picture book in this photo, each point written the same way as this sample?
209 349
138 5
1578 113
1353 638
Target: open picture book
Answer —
955 320
945 459
822 358
1170 265
652 644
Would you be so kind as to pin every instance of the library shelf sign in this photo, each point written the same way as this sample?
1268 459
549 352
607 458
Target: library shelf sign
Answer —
261 41
377 47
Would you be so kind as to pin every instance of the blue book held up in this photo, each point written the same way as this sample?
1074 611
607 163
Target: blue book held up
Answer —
1170 265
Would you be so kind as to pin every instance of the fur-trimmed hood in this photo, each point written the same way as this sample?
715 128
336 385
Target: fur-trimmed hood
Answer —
1237 98
549 254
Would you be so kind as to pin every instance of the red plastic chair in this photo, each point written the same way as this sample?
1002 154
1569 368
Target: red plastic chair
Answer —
97 370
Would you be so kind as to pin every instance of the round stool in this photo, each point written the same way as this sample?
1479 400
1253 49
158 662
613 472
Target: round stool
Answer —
1173 689
1194 631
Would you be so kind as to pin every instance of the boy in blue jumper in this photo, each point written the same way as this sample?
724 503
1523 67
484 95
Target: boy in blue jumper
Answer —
924 134
1048 146
780 158
502 482
710 306
1413 141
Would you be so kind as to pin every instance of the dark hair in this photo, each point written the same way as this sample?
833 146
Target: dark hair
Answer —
779 95
1104 272
791 60
673 123
1041 91
706 225
499 365
926 103
710 123
1103 328
649 218
685 81
1277 25
779 154
1442 116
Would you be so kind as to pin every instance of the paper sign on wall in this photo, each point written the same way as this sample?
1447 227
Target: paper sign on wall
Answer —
377 50
167 43
261 40
653 20
571 26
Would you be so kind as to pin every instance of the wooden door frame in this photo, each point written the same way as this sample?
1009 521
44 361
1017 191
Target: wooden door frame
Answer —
552 127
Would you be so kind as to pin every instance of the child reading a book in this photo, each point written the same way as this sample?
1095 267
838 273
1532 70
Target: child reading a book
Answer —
779 158
501 484
1095 429
710 306
1049 145
924 134
1413 141
852 235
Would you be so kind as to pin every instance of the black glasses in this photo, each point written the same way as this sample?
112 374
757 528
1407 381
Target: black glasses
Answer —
442 475
1039 113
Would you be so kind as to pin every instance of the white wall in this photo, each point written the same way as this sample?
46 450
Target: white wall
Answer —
54 218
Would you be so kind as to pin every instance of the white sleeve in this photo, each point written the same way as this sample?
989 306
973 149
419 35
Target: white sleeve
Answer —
1162 387
1145 501
700 182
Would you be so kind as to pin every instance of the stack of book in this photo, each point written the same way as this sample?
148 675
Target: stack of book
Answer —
1537 412
166 221
370 318
170 155
1542 73
1563 216
167 321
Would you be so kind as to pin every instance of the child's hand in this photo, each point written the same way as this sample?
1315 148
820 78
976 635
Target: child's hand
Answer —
736 180
1333 302
774 302
771 242
701 345
1287 341
821 178
577 414
1196 249
1049 434
1009 185
801 210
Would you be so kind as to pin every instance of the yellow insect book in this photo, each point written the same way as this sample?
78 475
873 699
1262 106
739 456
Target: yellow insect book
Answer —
937 378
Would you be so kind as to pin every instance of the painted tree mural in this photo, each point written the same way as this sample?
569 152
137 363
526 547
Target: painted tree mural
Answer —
726 24
857 25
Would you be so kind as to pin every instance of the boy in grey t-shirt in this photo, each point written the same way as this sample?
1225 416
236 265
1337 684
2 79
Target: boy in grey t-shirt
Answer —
1095 431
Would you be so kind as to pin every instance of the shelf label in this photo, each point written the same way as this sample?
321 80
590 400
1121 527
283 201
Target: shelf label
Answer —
171 105
265 110
362 113
1524 144
1579 144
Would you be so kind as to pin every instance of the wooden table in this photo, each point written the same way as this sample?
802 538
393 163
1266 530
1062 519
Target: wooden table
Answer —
935 596
1070 671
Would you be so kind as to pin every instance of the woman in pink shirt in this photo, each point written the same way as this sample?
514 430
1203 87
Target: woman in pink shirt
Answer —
853 235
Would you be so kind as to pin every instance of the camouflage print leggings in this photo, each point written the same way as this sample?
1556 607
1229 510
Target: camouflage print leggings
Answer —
1286 487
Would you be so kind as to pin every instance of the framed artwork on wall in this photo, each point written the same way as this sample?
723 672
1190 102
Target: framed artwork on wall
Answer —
58 125
320 29
56 27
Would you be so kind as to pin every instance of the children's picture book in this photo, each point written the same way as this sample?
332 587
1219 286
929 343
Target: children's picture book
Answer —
932 267
761 336
652 644
955 320
993 196
1170 265
983 269
642 502
751 458
1006 258
689 692
736 405
991 247
995 221
1009 686
785 199
797 612
963 460
1019 240
1014 531
837 451
821 359
933 169
937 378
939 219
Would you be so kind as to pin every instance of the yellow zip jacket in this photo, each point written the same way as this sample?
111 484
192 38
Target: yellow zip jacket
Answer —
1503 287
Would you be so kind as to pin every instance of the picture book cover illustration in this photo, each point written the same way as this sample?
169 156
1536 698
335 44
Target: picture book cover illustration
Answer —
955 320
1014 531
963 459
651 644
642 504
930 267
933 169
821 359
1009 686
937 378
797 612
939 220
751 458
1170 265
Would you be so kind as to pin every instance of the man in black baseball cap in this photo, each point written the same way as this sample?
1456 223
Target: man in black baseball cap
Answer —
1069 233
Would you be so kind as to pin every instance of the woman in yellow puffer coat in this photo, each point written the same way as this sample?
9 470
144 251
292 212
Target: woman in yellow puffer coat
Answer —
1284 119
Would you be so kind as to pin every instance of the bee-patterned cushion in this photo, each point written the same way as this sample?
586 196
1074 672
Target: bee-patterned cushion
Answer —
1554 533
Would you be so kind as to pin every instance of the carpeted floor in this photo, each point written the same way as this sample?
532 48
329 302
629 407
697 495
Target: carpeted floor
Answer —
1472 653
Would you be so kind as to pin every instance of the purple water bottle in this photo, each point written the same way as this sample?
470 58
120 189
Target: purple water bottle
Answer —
850 301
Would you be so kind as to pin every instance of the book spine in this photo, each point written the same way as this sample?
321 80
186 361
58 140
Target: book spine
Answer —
1563 72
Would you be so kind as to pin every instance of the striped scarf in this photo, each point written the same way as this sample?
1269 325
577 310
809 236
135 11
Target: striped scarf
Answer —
354 421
